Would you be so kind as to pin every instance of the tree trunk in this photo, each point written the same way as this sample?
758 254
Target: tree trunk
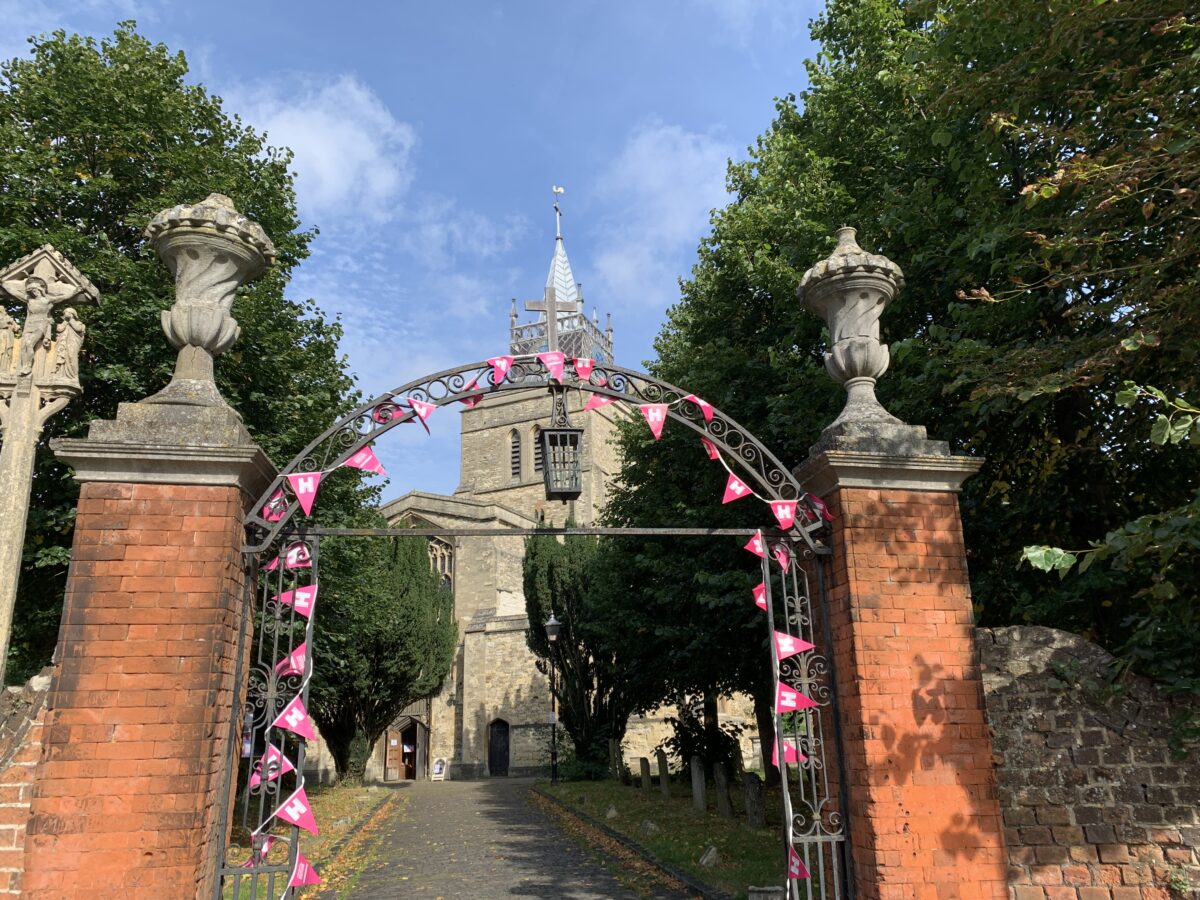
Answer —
764 715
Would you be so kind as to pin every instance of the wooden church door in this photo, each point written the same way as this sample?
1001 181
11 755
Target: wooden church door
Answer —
498 748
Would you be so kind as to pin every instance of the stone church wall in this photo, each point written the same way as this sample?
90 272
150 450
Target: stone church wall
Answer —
1096 805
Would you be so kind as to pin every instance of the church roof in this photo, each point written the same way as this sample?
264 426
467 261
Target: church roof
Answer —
561 278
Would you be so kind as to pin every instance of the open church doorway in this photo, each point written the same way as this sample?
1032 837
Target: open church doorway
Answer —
407 743
498 748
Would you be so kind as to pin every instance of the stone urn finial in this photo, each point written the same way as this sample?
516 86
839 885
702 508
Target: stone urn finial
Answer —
850 290
211 249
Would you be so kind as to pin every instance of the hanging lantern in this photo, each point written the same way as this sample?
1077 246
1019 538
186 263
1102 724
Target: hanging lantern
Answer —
562 461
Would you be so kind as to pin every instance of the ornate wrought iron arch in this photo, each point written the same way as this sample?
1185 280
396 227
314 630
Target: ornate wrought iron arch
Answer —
375 418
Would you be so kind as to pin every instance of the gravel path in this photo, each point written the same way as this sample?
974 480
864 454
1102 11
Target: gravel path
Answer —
478 840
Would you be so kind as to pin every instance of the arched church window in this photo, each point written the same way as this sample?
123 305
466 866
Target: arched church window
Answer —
514 453
537 449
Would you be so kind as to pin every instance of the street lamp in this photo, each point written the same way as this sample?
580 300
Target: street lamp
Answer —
553 628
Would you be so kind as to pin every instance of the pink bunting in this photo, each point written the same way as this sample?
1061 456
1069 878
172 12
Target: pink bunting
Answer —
259 856
294 663
782 556
304 486
785 512
272 565
297 556
276 506
302 872
760 595
735 489
470 402
598 400
385 412
296 810
656 416
796 868
820 507
786 645
790 700
366 460
790 753
705 407
755 545
500 367
421 408
710 448
300 599
294 718
554 361
271 766
583 367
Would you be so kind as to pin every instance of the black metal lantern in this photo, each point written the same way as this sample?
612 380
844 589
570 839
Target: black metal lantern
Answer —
562 461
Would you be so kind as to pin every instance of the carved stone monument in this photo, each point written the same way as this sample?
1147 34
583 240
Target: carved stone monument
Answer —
39 375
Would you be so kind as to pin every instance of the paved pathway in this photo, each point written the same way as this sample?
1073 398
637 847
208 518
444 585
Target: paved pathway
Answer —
478 840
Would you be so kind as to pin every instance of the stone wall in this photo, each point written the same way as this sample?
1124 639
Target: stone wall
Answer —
1096 806
22 718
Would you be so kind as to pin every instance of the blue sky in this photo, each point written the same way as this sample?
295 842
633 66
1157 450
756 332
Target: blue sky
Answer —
428 135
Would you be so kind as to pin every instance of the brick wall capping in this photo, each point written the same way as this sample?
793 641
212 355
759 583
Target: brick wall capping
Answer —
835 468
246 467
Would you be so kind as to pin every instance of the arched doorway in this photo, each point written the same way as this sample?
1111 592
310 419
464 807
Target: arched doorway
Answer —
498 748
283 553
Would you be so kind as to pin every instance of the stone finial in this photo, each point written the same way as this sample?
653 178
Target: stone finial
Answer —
212 250
850 290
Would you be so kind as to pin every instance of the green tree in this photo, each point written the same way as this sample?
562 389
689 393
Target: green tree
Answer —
384 637
593 683
1032 168
97 137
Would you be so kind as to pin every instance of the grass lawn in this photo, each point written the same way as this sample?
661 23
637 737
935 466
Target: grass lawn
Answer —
747 856
346 815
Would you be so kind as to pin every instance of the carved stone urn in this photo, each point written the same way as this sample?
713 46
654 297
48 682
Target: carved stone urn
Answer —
850 290
212 250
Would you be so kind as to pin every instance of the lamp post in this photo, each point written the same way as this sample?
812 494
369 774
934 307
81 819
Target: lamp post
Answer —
553 628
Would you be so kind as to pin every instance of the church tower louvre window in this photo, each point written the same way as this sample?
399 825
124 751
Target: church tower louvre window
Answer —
538 458
514 454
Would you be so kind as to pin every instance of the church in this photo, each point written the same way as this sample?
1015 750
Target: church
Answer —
492 715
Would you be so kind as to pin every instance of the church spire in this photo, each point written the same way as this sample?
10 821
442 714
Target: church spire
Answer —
561 278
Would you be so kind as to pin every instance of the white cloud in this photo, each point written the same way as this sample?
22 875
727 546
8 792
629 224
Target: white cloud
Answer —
438 233
24 18
352 156
658 193
744 21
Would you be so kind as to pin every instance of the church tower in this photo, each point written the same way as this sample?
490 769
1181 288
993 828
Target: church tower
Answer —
491 717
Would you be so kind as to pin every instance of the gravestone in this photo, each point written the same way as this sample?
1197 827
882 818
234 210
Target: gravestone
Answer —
664 774
756 804
698 798
724 806
644 765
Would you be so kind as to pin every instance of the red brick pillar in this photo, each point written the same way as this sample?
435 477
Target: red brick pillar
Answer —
126 799
924 816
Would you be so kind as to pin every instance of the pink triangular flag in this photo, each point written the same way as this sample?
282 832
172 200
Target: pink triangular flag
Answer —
294 718
271 766
782 556
385 412
755 545
257 857
656 415
276 506
786 645
500 367
796 868
790 753
304 486
272 565
297 811
583 368
790 700
297 556
470 402
554 361
598 400
421 408
760 595
735 489
705 407
294 663
820 507
302 872
785 512
710 448
366 460
300 599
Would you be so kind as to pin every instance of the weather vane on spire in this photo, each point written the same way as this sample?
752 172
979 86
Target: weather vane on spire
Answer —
557 211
